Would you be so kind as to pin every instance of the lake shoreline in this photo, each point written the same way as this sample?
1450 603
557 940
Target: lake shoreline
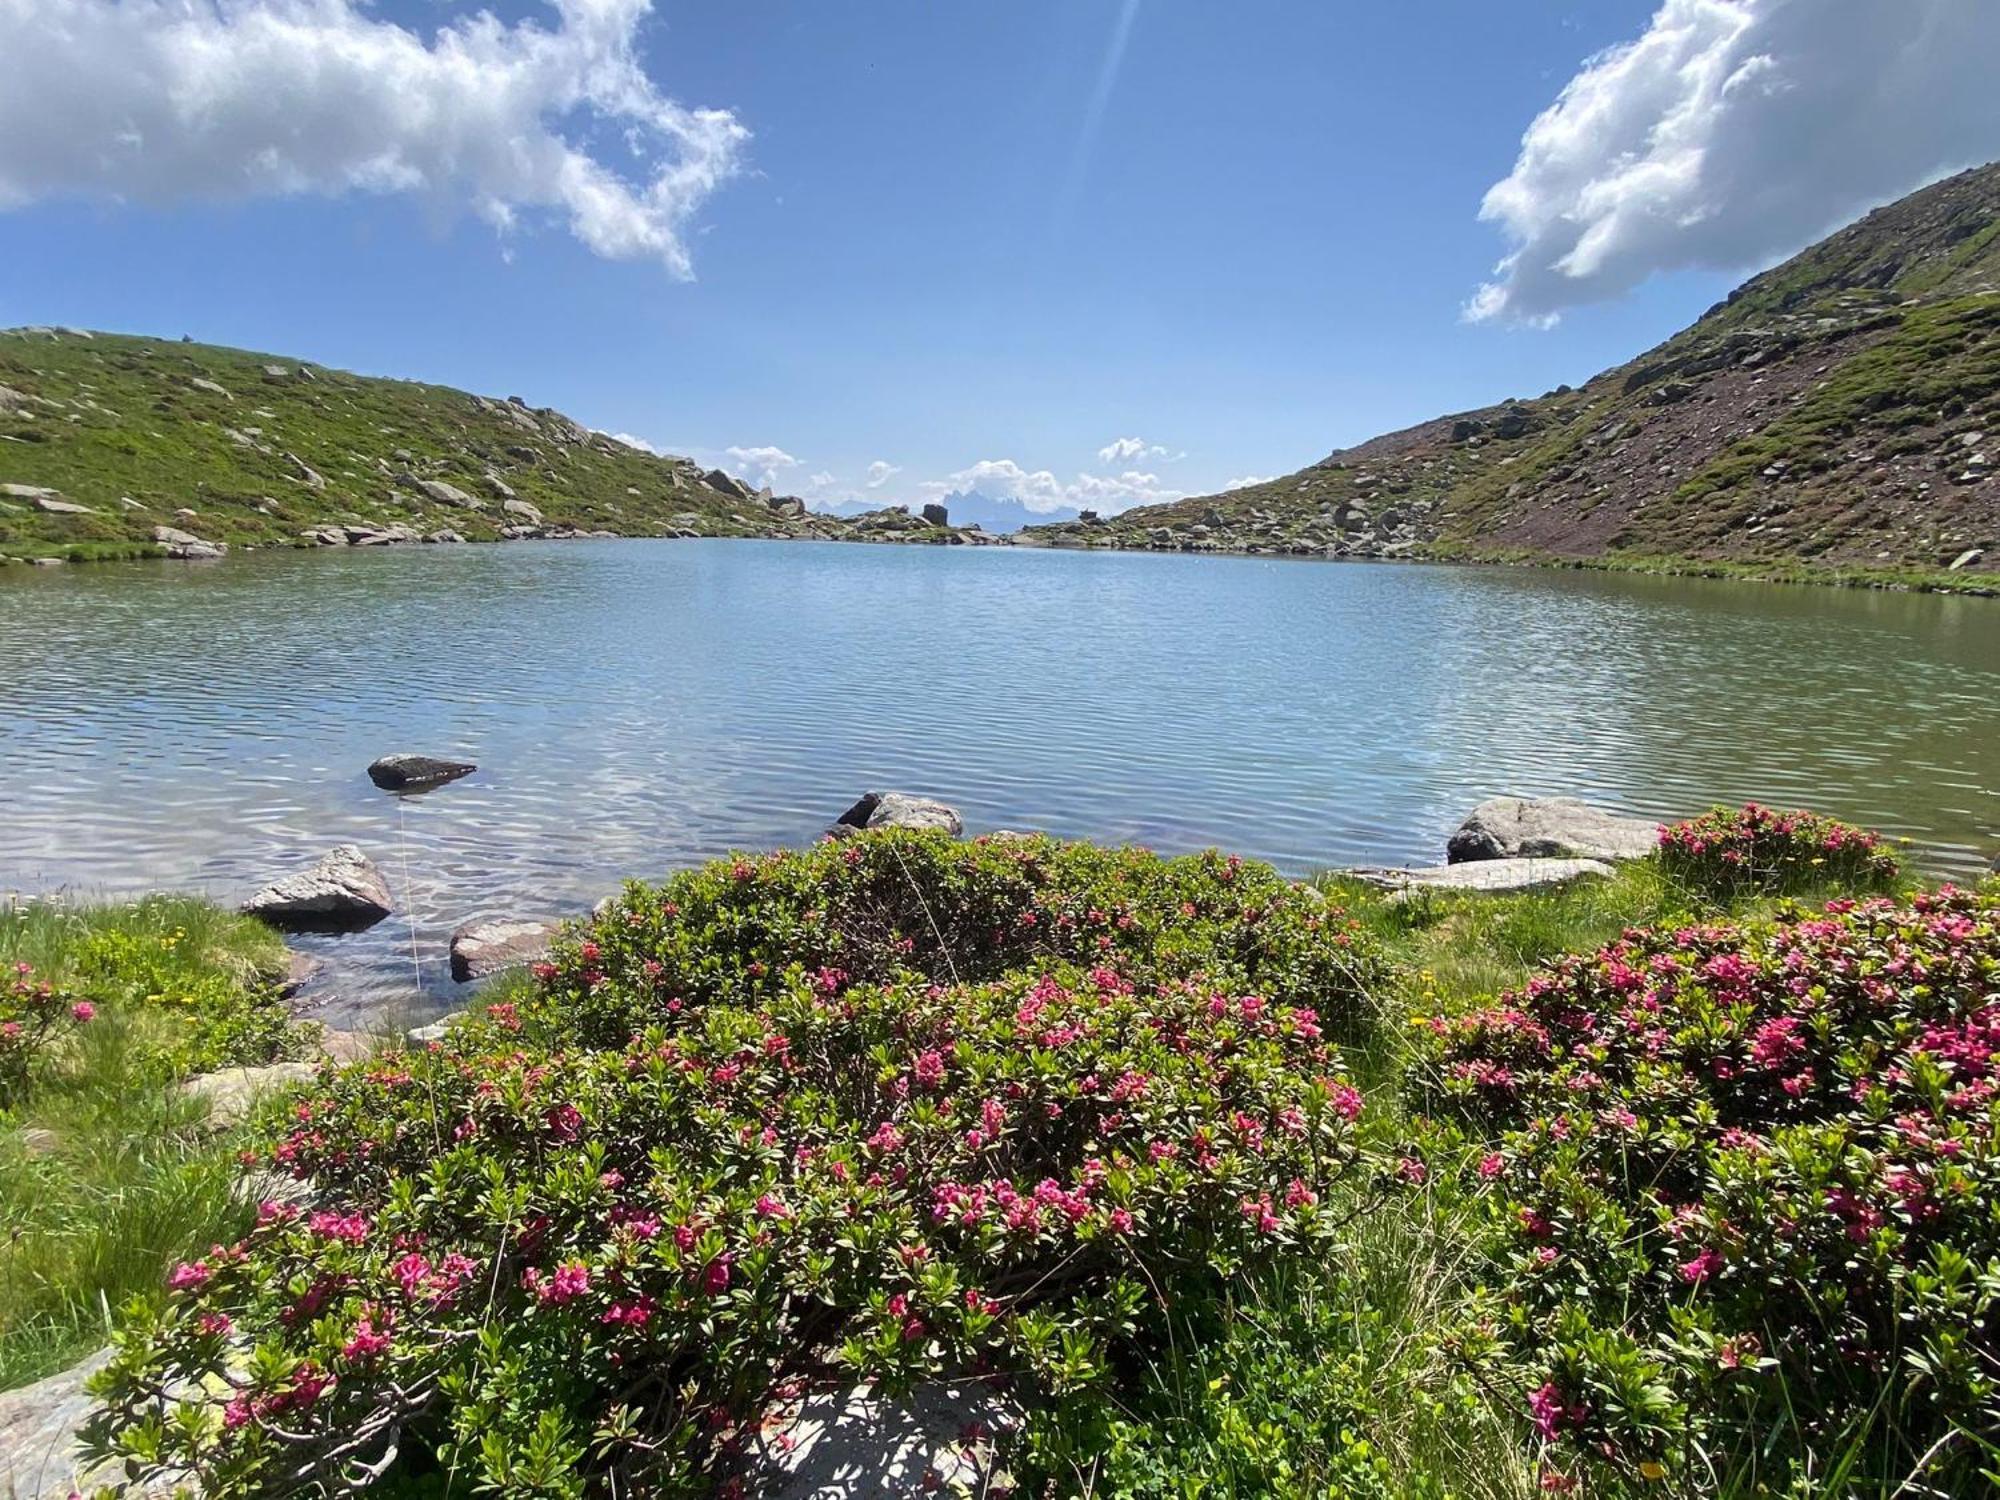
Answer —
1885 580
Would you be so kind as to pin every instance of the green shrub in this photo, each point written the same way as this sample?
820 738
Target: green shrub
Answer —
35 1016
1742 1190
1729 853
897 1106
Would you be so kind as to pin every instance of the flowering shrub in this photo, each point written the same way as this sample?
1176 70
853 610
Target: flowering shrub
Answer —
1743 1189
34 1016
888 1109
1732 852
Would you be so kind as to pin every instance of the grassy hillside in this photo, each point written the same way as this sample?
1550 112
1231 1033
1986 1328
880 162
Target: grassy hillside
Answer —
104 438
1838 415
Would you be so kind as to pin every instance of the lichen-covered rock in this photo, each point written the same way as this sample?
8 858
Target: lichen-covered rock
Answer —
859 1444
344 891
1549 828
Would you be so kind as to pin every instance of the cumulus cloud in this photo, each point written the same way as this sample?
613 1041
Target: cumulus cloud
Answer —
163 100
762 465
1733 132
880 472
631 441
1040 491
1244 481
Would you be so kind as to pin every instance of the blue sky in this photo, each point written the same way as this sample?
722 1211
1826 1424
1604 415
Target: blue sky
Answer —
956 233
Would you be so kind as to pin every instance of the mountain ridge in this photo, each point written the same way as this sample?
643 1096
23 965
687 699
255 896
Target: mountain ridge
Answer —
1838 412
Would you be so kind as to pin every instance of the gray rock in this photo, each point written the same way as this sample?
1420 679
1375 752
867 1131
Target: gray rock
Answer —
900 810
40 1458
1966 559
211 387
232 1093
1549 827
402 771
936 514
480 949
522 509
1492 875
344 891
310 477
861 1444
185 544
715 479
435 1031
444 536
449 494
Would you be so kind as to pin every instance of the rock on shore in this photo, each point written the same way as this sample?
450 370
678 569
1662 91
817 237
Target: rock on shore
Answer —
343 892
900 810
1549 828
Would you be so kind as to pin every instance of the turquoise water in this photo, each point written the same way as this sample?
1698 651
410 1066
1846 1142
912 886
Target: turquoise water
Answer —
637 706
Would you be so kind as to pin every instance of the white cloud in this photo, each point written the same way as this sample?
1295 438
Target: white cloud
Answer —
1124 450
1244 482
820 481
1040 491
160 101
635 442
880 472
1736 131
761 465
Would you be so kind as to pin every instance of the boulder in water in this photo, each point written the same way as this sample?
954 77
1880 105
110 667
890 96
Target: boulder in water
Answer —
342 893
402 771
479 949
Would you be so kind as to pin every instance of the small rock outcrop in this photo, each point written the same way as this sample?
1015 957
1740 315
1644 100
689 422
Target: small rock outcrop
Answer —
342 893
232 1093
402 771
480 949
1489 875
40 1457
860 1443
937 515
1549 828
185 545
900 810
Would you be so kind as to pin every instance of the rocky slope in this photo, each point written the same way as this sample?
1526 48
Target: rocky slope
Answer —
1840 412
121 446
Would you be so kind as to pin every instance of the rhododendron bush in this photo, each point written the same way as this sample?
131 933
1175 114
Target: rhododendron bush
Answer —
886 1109
34 1018
1743 1194
1730 852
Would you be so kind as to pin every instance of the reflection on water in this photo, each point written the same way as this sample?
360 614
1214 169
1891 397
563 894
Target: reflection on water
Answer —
637 706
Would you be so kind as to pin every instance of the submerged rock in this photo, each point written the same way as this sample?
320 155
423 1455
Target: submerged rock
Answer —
342 893
403 772
900 810
1490 875
1549 828
479 949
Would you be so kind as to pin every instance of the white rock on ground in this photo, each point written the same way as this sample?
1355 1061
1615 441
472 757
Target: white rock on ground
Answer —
1490 875
1549 828
857 1445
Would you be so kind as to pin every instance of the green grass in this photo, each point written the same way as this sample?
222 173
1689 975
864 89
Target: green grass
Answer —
107 1173
107 418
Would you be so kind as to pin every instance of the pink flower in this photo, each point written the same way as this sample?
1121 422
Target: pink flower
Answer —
189 1276
1552 1415
1492 1164
715 1276
1705 1264
83 1010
